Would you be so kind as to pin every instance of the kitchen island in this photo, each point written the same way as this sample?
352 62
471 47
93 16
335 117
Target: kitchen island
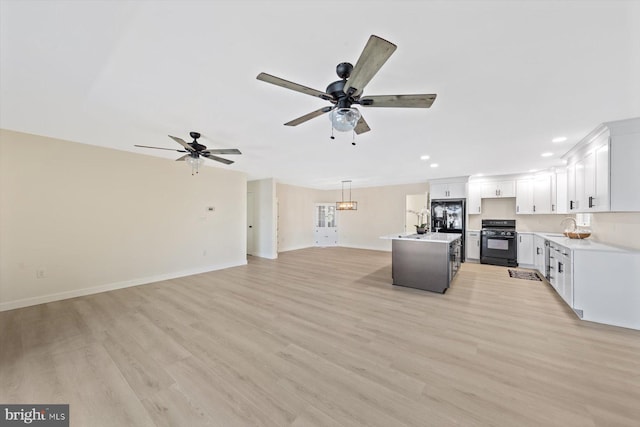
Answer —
425 261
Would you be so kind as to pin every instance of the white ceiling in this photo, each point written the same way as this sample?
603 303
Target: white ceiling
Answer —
510 76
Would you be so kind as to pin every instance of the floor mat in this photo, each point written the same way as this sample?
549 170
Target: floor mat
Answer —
527 275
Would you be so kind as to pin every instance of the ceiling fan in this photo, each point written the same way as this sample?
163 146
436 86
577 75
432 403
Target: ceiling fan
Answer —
195 150
347 91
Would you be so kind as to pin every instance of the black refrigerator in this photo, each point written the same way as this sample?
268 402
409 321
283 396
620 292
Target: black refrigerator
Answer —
448 216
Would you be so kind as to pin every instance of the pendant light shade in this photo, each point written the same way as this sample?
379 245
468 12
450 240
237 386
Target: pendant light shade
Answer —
346 205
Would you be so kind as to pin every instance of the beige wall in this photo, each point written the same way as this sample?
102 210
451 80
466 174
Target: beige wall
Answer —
381 211
296 215
92 219
621 229
265 214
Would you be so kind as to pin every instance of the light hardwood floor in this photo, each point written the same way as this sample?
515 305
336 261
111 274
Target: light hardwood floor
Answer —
320 337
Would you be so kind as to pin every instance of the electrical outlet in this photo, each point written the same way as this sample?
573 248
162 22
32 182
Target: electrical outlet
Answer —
39 274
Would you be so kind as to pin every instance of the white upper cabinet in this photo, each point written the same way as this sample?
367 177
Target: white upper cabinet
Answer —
534 195
602 172
494 189
524 196
448 190
559 193
542 194
474 201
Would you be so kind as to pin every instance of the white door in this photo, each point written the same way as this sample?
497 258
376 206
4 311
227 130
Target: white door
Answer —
326 227
250 218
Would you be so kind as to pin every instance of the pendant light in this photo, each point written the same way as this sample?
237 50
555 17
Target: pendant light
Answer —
346 205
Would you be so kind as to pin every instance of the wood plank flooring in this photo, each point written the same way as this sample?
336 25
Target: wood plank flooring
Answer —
319 337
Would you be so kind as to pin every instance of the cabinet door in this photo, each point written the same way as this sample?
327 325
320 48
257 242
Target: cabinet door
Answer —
506 189
542 194
580 205
473 245
438 191
449 190
491 190
539 255
524 196
474 201
572 201
601 202
567 278
457 190
525 248
588 198
560 198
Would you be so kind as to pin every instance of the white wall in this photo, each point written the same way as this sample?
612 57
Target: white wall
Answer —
92 219
265 243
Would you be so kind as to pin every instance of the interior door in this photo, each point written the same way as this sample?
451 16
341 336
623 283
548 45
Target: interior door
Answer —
326 226
250 220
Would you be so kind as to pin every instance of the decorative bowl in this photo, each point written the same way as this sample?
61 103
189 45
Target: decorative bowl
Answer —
577 234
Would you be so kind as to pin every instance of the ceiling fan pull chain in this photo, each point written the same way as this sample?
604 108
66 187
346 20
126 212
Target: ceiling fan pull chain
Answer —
353 140
332 137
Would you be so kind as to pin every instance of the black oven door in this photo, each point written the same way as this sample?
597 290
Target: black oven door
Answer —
498 248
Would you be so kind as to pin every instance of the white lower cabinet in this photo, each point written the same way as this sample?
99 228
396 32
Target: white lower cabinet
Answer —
599 282
539 255
473 245
525 249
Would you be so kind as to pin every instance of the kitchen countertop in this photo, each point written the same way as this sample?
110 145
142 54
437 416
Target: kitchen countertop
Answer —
581 244
587 244
427 237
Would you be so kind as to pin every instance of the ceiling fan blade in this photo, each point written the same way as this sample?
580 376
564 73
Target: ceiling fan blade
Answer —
372 58
404 101
222 151
183 158
216 158
182 142
293 86
362 126
306 117
160 148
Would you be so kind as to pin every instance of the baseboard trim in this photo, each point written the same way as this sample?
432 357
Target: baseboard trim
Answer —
59 296
369 248
295 248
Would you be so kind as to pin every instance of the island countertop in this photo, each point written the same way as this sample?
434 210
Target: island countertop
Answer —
427 237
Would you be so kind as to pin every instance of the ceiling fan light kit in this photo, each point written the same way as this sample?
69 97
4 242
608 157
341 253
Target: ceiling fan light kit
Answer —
344 119
196 152
347 91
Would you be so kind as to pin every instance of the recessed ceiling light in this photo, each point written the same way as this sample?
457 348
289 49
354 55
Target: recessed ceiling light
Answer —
479 174
425 157
559 139
547 154
434 165
533 170
564 161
